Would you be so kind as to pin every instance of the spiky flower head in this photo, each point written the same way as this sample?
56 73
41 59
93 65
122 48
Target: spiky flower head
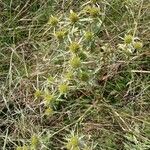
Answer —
60 35
94 11
53 21
49 111
50 79
38 94
138 45
63 88
49 98
128 39
35 142
74 47
73 143
75 62
88 36
86 9
73 17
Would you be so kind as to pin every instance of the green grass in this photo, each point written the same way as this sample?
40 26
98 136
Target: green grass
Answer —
78 84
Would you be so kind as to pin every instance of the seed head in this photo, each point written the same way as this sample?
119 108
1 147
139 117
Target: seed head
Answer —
22 148
87 8
19 148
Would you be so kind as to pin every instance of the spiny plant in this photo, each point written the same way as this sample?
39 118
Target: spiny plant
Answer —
77 142
86 68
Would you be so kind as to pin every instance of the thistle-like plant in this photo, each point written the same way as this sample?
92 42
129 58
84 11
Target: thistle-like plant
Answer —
137 45
53 21
88 36
63 88
49 112
128 39
35 142
38 94
75 62
84 76
73 143
74 17
74 47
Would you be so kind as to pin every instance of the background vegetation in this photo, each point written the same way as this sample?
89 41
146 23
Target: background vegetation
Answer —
74 74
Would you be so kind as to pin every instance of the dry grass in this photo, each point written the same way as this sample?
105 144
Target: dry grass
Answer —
94 96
